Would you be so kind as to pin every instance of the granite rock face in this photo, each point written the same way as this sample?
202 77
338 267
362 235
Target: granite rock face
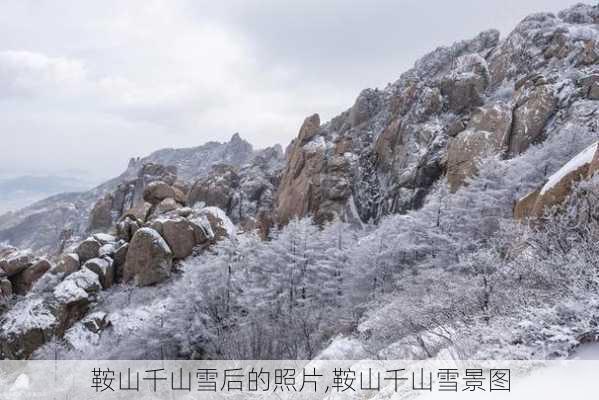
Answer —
458 105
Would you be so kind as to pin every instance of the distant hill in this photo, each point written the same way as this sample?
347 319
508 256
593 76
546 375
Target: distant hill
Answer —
21 191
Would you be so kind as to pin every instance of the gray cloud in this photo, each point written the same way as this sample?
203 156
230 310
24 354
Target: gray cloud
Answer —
86 85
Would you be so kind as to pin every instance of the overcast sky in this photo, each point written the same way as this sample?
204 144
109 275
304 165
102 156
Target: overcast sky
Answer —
84 85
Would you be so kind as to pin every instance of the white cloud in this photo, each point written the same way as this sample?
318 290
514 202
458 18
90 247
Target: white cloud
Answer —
28 73
86 85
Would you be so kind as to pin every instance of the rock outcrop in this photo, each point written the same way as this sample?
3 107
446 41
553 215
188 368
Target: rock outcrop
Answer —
535 104
246 194
486 134
460 104
42 225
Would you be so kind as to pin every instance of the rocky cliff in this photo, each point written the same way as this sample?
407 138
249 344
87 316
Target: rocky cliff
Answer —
457 105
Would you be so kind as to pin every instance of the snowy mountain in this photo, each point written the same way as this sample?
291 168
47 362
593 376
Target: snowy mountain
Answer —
452 214
40 225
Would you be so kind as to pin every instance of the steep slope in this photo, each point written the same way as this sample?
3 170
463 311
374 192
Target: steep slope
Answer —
457 105
43 225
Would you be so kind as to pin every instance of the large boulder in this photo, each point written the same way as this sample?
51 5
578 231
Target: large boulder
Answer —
139 212
487 134
463 91
149 258
16 263
165 206
464 85
23 282
157 191
220 225
25 327
104 268
88 249
101 215
67 264
180 236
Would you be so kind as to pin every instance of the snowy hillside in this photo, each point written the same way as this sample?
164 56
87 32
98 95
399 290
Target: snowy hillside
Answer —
453 214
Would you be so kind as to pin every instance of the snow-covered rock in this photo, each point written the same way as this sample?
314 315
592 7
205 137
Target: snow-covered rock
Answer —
23 282
88 249
559 185
67 264
78 287
104 268
220 223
